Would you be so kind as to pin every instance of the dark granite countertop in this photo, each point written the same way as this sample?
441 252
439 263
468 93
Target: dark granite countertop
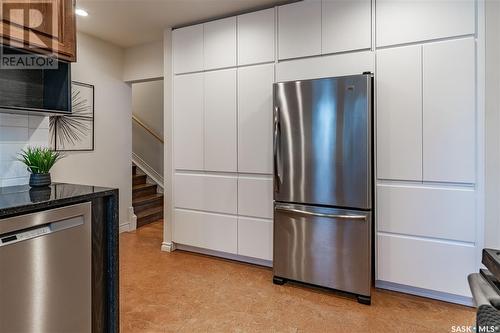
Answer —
15 200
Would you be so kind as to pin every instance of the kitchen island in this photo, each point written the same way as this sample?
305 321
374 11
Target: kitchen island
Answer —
21 203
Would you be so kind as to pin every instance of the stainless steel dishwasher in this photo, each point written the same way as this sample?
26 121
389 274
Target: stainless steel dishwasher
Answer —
45 271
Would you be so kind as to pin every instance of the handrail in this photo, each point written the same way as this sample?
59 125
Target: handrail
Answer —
147 128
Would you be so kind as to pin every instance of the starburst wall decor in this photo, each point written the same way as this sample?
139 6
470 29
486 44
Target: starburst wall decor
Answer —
75 132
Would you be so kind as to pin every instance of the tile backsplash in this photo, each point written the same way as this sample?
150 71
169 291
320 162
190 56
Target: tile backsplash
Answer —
17 132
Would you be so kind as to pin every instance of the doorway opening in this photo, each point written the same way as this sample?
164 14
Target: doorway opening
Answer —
147 153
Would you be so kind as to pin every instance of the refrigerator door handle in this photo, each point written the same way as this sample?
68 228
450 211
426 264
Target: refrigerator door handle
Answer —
277 175
333 216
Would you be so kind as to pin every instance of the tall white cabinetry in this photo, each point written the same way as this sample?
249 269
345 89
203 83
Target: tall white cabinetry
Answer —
427 211
399 113
316 27
219 43
220 120
427 68
256 37
188 122
345 26
187 47
449 111
223 136
299 29
255 102
402 21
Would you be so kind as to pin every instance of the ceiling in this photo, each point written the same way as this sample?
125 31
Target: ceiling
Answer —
132 22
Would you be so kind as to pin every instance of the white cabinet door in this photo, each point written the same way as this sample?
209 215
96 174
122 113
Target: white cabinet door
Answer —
326 66
449 111
403 21
255 102
255 196
220 120
436 212
299 29
255 238
256 37
428 264
212 193
399 113
346 25
206 230
188 121
187 44
220 43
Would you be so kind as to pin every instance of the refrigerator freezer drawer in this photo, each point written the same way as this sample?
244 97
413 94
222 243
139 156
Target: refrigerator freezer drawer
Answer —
323 246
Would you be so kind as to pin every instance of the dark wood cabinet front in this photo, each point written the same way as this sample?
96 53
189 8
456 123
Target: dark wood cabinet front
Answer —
40 26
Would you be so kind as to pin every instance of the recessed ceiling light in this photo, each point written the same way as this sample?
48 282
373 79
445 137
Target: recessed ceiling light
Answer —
81 12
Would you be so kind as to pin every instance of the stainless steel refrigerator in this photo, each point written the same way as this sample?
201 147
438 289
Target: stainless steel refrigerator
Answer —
323 183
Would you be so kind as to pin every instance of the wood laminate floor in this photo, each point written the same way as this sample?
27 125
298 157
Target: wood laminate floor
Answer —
185 292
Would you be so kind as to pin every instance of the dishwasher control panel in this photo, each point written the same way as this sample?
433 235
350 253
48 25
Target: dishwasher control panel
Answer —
24 235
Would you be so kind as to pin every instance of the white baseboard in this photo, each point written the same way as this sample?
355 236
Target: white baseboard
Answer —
148 170
168 247
441 296
255 261
132 219
124 227
131 225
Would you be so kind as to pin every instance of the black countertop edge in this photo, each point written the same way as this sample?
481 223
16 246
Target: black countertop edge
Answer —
17 200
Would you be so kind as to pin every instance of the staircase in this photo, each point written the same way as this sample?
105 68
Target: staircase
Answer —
147 203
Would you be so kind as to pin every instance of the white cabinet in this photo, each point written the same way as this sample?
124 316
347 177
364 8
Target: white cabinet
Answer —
436 212
326 66
220 43
213 193
429 264
255 141
299 29
255 196
346 25
403 21
220 120
187 44
255 238
188 121
256 37
449 111
206 230
399 113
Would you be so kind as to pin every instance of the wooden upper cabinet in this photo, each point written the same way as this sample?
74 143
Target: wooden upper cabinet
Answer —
40 26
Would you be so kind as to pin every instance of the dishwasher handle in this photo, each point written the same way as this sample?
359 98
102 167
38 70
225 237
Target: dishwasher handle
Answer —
24 235
51 216
46 229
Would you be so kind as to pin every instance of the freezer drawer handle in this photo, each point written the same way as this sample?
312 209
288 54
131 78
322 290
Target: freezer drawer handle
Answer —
333 216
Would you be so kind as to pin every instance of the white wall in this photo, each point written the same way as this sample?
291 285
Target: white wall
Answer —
492 123
101 64
143 62
16 133
147 105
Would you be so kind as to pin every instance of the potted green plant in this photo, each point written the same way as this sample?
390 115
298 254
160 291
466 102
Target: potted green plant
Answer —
39 161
